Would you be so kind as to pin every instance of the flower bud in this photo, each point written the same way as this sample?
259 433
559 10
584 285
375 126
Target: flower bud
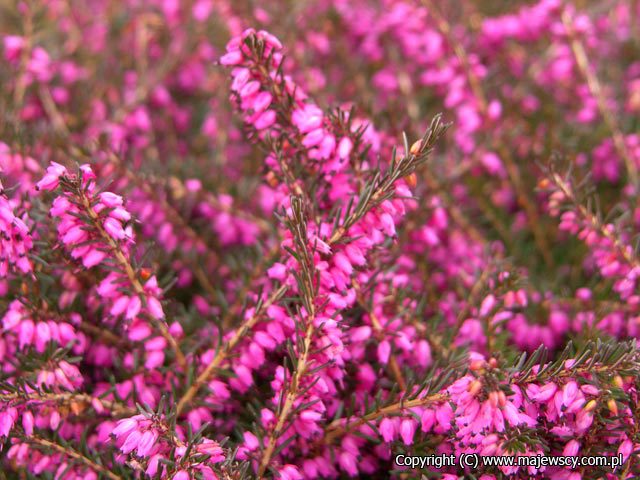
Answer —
416 147
475 387
618 382
476 365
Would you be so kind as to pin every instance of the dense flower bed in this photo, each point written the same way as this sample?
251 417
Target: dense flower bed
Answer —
298 239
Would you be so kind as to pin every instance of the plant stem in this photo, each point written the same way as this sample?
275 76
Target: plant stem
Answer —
596 91
115 408
337 429
74 454
224 351
292 395
512 169
625 251
124 263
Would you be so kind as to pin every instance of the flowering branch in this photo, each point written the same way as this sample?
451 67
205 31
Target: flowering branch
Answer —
74 455
130 272
338 428
382 186
596 90
505 154
77 401
297 225
226 348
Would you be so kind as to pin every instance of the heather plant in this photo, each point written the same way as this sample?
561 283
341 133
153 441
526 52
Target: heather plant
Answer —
302 240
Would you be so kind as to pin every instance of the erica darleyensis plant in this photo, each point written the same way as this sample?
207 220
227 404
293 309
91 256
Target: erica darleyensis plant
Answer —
322 239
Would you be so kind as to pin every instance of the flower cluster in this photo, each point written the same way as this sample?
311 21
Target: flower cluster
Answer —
144 437
15 242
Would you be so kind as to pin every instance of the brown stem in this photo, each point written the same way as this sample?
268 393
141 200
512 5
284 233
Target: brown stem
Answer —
596 91
337 429
124 263
74 454
224 351
624 250
505 153
292 395
115 408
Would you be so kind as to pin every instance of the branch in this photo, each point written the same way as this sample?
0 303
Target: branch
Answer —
297 224
71 453
224 351
337 429
382 187
115 408
505 153
131 274
625 251
596 91
301 368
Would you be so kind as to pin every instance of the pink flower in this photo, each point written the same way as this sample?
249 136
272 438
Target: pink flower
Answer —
348 463
51 180
93 257
251 441
344 148
211 448
155 308
132 442
147 441
571 448
289 472
125 426
384 351
487 305
181 475
265 120
13 45
387 429
133 307
308 118
407 431
111 200
114 228
231 58
27 423
7 419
